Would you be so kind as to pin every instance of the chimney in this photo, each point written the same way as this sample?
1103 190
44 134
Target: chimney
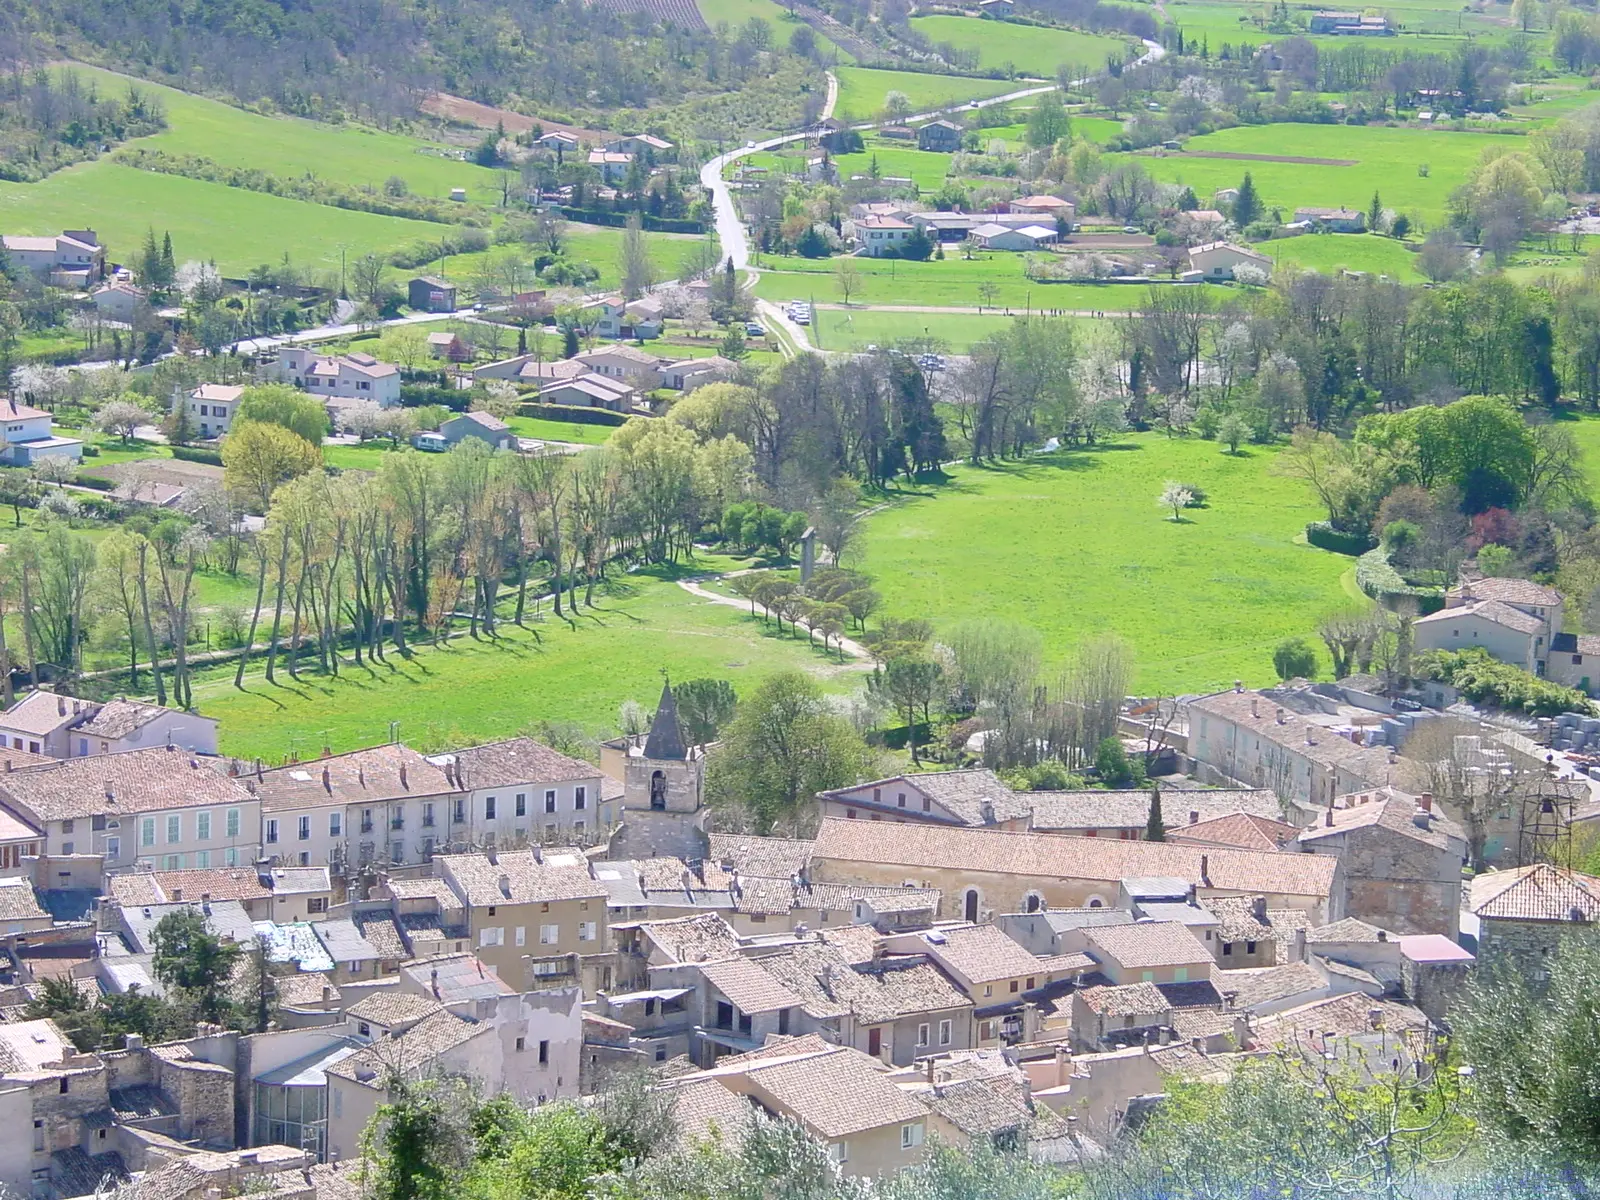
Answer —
1194 816
327 781
8 766
403 782
111 793
1422 818
1238 686
1278 716
258 769
1375 1018
1383 935
433 982
1310 735
1425 802
1255 706
1258 909
1205 870
61 706
931 1082
490 853
1327 817
134 1041
988 811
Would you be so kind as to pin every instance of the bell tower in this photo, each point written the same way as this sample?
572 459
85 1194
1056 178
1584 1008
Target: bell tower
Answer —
663 791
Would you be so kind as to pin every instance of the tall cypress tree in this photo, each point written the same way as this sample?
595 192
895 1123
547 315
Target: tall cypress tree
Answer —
1247 205
1155 830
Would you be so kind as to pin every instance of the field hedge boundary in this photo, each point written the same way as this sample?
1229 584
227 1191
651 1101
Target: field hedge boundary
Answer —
1325 537
98 482
1377 577
571 412
597 216
197 454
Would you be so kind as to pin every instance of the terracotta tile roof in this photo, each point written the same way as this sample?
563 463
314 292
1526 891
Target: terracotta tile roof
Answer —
750 987
1148 944
700 938
391 1008
18 902
1490 610
780 1047
370 776
1389 809
515 760
1062 965
1238 922
1509 591
855 942
1258 986
1051 856
962 792
137 780
380 932
519 877
1244 831
118 718
981 953
411 1052
220 883
829 985
769 857
1347 930
1346 1015
991 1106
415 889
1129 1000
1201 1022
304 987
1131 809
1327 748
703 1110
836 1094
1540 892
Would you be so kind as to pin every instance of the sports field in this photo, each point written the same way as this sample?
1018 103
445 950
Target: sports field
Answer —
862 89
1028 49
1202 602
1388 161
476 690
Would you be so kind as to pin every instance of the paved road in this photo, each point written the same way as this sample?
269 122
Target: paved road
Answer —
730 229
324 332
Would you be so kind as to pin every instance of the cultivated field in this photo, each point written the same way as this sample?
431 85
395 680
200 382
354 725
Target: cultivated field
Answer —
1202 602
1387 161
1028 49
862 89
474 690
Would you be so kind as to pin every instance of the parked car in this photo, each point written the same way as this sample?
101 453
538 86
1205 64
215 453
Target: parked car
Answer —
433 443
751 329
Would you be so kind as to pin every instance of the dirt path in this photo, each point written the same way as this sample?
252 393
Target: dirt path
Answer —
853 648
833 96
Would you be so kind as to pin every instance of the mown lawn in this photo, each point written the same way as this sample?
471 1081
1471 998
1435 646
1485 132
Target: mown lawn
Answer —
862 89
857 328
1202 603
1332 252
473 690
1029 49
1388 161
896 159
209 221
561 431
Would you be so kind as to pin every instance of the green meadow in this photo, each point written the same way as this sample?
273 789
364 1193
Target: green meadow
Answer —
576 669
858 328
1389 161
1201 602
1028 49
862 89
1331 253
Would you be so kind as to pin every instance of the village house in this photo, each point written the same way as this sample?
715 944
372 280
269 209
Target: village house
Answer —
1523 914
1052 208
449 347
484 426
119 301
980 872
27 437
58 726
966 797
20 843
948 227
1124 815
516 791
616 319
994 972
845 1099
211 407
877 236
428 293
74 258
1515 620
627 364
1402 860
1200 225
1149 952
644 144
590 389
612 164
1305 758
993 236
158 807
939 135
1335 220
354 376
690 373
1218 260
266 893
538 916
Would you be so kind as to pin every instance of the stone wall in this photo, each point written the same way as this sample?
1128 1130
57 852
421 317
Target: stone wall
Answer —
1527 945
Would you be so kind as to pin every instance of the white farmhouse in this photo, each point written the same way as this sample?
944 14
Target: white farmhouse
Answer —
353 376
28 438
1218 260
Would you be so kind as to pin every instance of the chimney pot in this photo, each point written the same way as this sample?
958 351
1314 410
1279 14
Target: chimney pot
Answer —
1238 686
61 706
403 782
1383 935
1205 870
1279 716
1255 706
327 780
1194 816
1425 801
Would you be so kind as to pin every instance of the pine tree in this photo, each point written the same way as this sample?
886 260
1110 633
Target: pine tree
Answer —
169 268
1247 205
1154 828
522 341
1374 213
150 260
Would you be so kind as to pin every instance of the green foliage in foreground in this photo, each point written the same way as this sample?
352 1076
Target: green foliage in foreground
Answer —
1485 680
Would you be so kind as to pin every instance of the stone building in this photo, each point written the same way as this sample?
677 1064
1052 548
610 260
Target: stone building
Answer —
1402 859
1523 914
663 802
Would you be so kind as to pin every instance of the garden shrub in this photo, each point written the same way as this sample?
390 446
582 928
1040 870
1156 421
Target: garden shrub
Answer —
198 454
570 412
1485 680
1340 541
1377 577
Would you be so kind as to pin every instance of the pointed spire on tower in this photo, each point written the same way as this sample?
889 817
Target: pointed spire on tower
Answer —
666 735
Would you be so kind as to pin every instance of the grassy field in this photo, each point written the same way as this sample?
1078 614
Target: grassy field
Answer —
862 89
579 671
952 283
896 159
1425 25
734 13
238 229
1202 602
1387 161
1028 49
854 329
1332 252
598 245
560 431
